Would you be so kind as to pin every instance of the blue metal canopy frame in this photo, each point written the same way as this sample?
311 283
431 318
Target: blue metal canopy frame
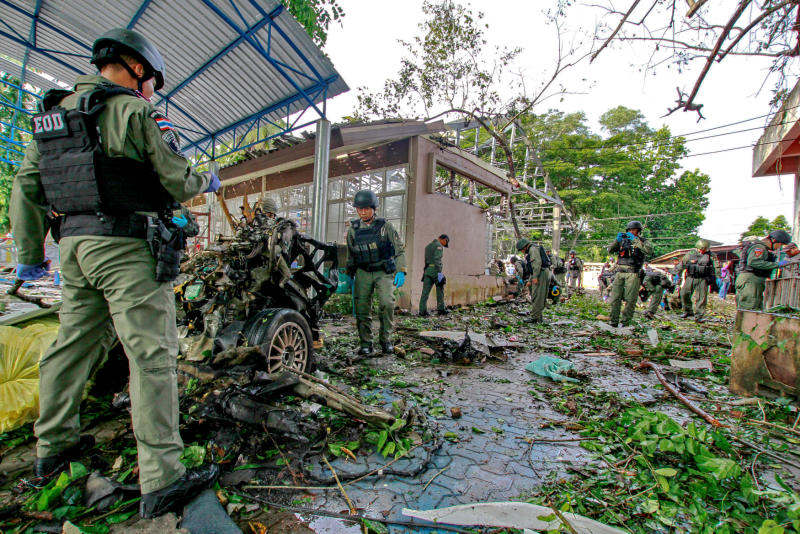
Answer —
275 79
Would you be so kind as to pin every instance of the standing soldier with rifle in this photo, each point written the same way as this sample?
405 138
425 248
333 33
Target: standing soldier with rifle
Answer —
110 166
756 264
631 249
536 274
700 273
377 260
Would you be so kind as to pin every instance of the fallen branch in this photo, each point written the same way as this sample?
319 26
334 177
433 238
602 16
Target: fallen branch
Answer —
562 518
678 395
766 452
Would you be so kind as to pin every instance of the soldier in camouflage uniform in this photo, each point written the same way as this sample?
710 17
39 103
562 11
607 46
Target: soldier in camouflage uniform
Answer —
632 250
559 268
756 265
536 276
655 283
575 268
376 259
433 276
700 271
108 269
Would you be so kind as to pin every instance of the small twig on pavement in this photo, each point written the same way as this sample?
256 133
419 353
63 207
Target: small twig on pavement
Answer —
763 415
305 488
434 476
286 461
764 451
774 425
562 518
341 488
753 470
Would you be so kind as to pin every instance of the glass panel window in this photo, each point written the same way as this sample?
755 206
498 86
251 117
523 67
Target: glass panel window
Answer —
396 179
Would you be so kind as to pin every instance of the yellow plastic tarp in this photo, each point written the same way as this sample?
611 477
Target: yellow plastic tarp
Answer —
20 352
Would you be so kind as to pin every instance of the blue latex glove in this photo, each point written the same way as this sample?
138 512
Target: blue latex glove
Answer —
630 236
214 184
33 272
439 277
620 236
782 263
180 221
399 279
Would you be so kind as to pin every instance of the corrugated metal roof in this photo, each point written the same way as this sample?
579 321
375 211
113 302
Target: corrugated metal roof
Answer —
229 62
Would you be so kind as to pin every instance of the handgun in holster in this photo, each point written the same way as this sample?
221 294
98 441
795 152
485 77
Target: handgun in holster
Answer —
166 246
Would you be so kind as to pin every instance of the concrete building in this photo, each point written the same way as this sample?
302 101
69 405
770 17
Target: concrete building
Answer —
778 151
426 187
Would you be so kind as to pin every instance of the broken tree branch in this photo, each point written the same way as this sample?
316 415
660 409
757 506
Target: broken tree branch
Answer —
616 30
710 59
678 395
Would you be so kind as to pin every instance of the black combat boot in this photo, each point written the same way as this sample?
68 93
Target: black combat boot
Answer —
686 315
46 469
443 312
423 314
365 350
387 347
179 492
649 315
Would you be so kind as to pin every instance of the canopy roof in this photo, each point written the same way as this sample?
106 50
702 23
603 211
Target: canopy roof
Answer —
232 66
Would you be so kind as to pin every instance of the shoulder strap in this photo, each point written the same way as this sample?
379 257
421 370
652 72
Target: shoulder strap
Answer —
355 224
94 101
53 97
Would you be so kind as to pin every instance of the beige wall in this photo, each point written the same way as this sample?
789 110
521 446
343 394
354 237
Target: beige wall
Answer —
430 215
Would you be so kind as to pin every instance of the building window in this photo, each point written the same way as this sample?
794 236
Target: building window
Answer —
390 184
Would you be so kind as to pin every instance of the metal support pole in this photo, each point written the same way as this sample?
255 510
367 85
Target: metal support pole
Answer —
477 136
796 217
557 230
494 148
319 186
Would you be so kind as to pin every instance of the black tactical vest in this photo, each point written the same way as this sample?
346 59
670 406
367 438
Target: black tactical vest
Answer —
700 266
630 255
371 247
77 177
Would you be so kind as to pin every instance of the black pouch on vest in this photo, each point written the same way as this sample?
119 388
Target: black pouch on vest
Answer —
389 266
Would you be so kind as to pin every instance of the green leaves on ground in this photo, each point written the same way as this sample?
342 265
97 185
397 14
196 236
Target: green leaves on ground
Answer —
667 478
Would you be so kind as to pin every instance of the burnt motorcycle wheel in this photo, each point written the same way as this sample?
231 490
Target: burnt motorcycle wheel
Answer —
284 337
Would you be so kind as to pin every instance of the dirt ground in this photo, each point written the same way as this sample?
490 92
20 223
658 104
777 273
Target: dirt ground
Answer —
479 427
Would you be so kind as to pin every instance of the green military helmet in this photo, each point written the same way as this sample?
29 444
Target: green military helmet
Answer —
634 225
522 243
109 46
365 199
269 205
702 244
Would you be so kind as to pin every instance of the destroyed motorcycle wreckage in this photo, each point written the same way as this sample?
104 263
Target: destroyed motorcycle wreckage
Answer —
260 291
249 308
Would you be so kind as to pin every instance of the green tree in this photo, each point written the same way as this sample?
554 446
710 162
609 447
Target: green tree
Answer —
315 16
630 172
762 226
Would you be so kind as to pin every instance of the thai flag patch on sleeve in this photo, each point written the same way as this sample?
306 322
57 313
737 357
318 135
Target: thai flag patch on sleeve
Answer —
163 123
